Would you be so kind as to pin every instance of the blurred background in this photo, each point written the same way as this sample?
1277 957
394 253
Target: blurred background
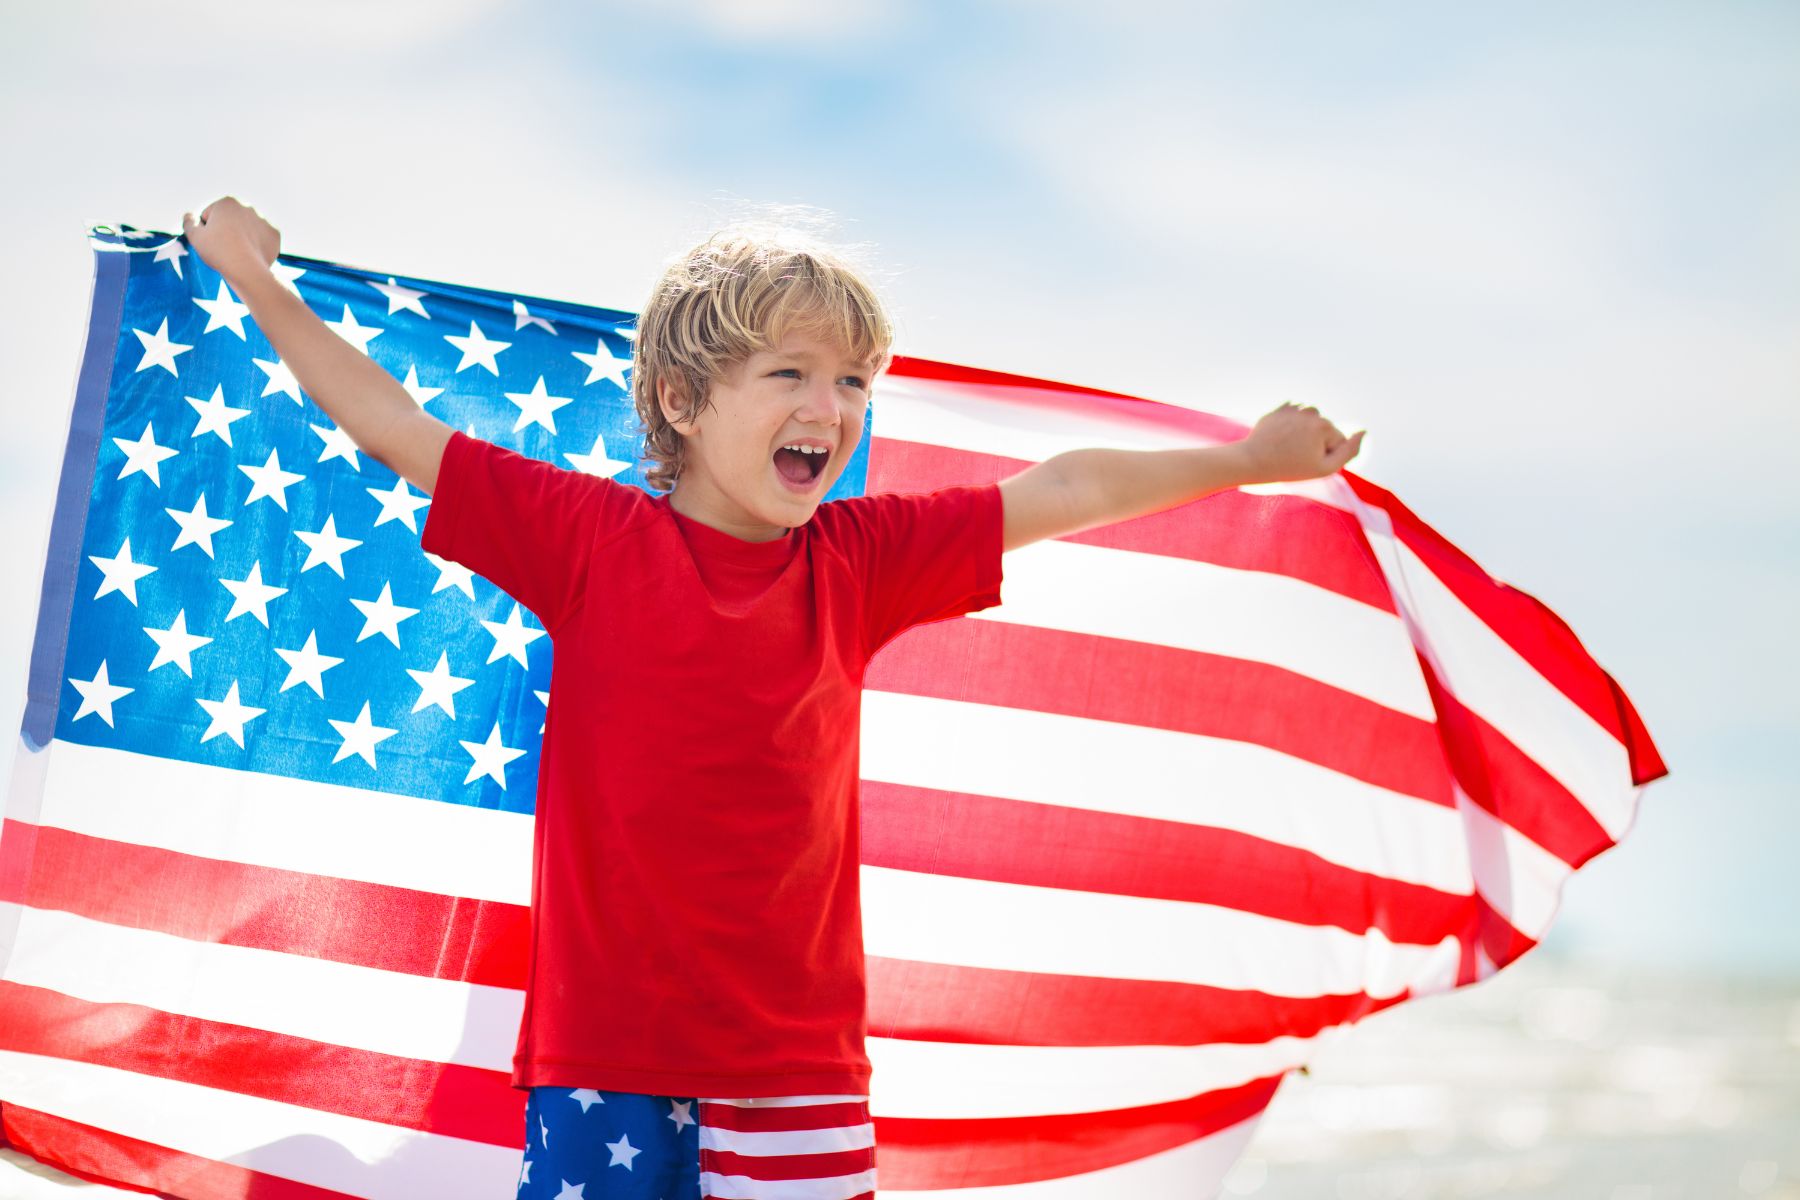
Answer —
1548 255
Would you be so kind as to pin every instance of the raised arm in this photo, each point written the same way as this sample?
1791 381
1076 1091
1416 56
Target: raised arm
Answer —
356 392
1083 489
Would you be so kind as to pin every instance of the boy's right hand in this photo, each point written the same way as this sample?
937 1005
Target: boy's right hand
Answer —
232 239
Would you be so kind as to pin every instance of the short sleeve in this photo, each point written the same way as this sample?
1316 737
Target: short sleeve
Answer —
925 556
527 526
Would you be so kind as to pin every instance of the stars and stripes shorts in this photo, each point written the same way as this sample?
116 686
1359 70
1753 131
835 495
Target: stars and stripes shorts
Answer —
583 1144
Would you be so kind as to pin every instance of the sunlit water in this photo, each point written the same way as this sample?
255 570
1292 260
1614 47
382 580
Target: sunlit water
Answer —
1547 1081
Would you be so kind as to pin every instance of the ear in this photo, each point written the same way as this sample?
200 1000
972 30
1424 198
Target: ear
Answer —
667 399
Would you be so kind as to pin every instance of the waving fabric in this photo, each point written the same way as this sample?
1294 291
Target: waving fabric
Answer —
1207 786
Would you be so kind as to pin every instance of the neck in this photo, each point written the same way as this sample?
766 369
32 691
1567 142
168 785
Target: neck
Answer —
696 501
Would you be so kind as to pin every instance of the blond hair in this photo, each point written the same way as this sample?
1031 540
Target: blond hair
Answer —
740 291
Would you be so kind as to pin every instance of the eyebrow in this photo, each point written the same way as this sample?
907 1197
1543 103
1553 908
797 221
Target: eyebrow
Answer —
868 364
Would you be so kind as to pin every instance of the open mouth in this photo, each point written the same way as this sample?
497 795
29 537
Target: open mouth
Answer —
799 469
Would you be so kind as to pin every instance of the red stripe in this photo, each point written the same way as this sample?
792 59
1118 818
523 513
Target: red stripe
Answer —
1161 687
126 885
1187 691
1525 623
234 904
1049 845
769 1167
105 1157
924 1154
783 1118
458 1101
1001 387
935 1002
1230 531
1502 779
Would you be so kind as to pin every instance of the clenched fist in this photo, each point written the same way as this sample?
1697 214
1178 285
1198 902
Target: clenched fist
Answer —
1293 443
232 239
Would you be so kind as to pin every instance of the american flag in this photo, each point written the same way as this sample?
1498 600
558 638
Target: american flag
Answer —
1206 787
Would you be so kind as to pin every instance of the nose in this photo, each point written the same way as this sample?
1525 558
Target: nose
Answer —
819 404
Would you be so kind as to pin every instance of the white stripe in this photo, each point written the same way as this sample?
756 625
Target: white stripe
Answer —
782 1101
1477 666
1480 669
327 1150
1194 1170
1110 766
773 1143
290 824
1032 1081
438 1020
742 1187
1022 927
937 413
1258 616
1521 879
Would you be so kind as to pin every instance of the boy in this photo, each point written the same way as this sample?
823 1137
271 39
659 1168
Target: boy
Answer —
696 930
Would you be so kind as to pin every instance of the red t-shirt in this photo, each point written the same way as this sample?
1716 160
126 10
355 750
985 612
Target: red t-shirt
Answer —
696 924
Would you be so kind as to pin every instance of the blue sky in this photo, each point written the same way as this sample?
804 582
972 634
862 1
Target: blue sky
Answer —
1548 255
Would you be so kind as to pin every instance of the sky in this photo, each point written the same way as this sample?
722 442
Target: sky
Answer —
1547 255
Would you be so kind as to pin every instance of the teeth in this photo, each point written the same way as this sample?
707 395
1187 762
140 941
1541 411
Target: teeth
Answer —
809 449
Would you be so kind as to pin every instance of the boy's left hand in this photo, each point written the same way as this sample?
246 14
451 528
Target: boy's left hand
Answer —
1292 443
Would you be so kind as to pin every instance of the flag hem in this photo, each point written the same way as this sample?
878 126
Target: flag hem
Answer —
56 596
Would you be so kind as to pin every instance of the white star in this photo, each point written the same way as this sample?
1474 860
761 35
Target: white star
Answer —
216 416
511 638
197 528
586 1097
357 335
543 699
537 407
143 455
224 312
399 297
120 573
522 317
545 1130
287 275
438 686
678 1113
490 758
175 644
361 736
398 504
97 695
622 1152
451 574
252 595
602 365
280 379
326 546
171 251
381 615
337 445
596 461
477 347
421 394
271 481
525 1173
229 716
306 665
159 351
571 1191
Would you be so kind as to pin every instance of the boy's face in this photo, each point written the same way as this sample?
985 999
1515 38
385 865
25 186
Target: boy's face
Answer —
736 476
